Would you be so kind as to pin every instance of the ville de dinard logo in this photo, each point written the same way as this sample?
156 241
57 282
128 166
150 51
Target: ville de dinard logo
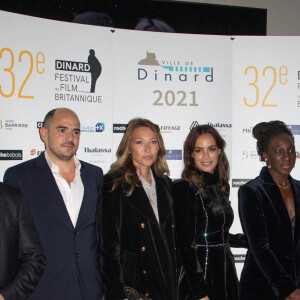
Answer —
183 71
77 80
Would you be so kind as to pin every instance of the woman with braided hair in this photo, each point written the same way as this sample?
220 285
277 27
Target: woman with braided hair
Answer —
269 208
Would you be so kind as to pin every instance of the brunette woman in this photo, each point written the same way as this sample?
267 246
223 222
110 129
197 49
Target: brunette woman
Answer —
137 227
269 209
203 216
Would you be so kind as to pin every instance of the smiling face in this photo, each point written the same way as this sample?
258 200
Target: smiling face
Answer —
206 153
61 137
280 155
143 148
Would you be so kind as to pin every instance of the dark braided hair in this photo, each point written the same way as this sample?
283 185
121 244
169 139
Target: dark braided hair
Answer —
263 132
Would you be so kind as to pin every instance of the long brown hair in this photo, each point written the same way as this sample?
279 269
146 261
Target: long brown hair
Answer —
124 165
191 171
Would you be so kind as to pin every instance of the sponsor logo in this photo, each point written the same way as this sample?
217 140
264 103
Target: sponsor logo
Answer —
250 155
11 154
150 67
76 81
99 127
119 128
247 130
173 155
12 124
97 150
239 182
295 129
239 258
39 125
215 125
169 128
34 152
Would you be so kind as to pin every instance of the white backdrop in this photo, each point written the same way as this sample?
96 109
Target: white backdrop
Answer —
175 80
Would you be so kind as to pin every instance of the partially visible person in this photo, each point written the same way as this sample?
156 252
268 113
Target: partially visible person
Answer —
203 216
269 208
22 259
63 194
138 252
153 24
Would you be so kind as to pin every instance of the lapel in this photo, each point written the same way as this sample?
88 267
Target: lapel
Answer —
163 199
2 211
49 186
276 200
85 202
296 192
140 202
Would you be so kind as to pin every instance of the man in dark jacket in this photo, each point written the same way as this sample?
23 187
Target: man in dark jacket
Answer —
62 193
22 260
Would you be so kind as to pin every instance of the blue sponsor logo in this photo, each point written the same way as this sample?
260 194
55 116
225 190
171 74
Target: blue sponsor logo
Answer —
173 155
99 127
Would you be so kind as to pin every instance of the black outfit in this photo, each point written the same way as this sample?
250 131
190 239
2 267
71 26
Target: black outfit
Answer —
203 217
22 260
136 250
272 267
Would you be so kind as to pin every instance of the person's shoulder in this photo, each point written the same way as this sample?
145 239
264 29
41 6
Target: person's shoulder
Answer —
91 167
110 177
10 191
183 184
24 165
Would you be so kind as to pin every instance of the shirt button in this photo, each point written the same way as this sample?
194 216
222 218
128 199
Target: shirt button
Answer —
147 294
173 226
144 272
142 225
75 232
143 249
77 254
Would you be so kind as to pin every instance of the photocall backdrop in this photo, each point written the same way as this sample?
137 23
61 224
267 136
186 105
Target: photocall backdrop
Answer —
109 76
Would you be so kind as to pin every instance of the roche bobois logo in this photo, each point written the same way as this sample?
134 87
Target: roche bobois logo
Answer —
11 154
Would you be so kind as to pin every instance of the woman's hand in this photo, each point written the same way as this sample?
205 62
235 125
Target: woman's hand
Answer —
295 295
205 298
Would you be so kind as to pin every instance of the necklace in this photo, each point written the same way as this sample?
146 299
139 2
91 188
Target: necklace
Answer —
284 187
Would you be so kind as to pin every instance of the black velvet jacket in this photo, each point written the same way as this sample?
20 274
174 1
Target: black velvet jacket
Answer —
22 259
272 266
203 217
136 250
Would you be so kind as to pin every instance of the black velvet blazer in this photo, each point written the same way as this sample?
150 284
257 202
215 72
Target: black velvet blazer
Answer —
272 266
22 259
136 250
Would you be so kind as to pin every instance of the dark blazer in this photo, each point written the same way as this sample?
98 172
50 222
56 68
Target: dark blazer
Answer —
136 250
22 260
272 266
72 271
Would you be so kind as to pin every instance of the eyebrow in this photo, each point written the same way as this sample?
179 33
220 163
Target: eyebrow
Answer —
206 147
65 127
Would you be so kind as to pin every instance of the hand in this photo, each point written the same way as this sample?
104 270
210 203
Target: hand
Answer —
205 298
295 295
1 297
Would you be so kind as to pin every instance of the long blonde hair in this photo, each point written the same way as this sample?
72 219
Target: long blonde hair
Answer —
124 165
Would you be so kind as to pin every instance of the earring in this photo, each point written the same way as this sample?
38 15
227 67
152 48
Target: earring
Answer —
268 165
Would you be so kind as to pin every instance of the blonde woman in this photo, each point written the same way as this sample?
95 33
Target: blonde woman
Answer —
138 253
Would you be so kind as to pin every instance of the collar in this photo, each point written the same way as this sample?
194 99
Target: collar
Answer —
265 174
144 181
55 169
